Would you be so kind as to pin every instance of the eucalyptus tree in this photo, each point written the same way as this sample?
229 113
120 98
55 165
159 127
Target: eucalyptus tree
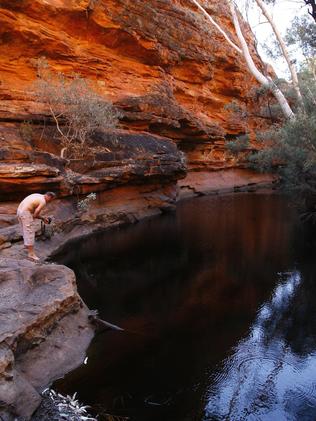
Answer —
302 30
312 10
311 5
243 49
283 47
290 145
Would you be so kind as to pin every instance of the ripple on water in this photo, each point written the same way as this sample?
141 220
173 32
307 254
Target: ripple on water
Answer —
306 394
269 386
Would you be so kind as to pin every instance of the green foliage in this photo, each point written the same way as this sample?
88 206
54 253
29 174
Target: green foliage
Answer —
302 34
241 144
272 48
237 109
290 149
238 112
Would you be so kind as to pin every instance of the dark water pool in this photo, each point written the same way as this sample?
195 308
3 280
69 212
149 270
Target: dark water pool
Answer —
219 305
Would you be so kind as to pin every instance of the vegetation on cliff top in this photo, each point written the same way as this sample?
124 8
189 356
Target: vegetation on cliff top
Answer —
289 147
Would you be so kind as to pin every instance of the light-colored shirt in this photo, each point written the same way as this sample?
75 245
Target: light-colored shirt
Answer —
31 202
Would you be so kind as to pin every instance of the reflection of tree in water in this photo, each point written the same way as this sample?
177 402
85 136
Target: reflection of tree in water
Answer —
272 373
301 324
193 282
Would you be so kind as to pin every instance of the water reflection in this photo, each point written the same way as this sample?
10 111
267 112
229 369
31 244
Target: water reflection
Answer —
265 379
187 287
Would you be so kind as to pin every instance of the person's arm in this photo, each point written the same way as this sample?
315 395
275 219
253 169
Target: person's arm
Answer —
38 211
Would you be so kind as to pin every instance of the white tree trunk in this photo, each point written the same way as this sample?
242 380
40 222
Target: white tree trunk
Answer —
209 17
261 78
244 51
283 48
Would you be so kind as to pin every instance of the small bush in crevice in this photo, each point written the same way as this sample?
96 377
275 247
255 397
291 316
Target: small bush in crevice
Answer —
84 204
240 144
75 108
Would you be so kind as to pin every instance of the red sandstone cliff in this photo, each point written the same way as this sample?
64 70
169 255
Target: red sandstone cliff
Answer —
171 76
160 62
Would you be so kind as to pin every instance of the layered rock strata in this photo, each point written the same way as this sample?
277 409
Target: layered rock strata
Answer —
161 63
171 76
41 313
119 158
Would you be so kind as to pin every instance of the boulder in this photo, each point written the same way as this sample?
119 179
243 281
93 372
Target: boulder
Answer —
41 318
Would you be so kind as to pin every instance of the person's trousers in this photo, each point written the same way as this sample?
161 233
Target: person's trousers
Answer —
27 227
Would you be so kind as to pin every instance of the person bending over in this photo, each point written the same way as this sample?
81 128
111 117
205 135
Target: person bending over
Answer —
28 210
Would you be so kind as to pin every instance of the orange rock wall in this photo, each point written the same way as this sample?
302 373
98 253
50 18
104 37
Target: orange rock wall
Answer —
171 75
160 61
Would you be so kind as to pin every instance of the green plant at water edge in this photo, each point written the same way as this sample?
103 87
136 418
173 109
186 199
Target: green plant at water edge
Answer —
84 204
290 149
57 407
